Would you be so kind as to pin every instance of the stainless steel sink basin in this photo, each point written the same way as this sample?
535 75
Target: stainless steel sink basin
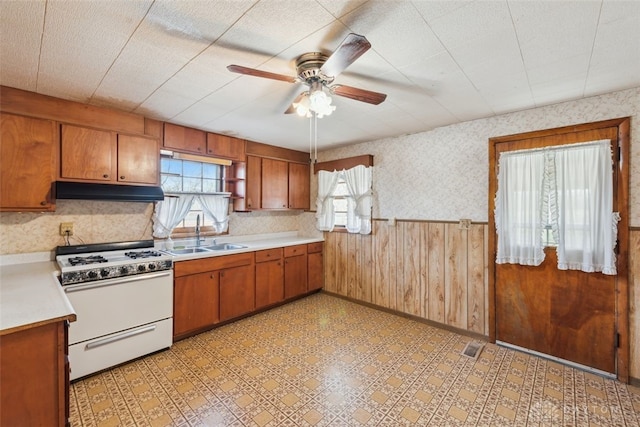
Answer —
187 251
225 247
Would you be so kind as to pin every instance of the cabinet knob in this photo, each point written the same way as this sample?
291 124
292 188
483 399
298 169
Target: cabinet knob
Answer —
43 203
122 177
212 277
284 206
106 175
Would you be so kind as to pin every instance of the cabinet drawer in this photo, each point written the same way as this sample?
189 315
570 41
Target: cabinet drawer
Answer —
269 255
314 247
290 251
183 268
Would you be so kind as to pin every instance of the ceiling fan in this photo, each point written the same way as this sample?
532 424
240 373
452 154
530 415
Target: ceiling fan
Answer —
318 71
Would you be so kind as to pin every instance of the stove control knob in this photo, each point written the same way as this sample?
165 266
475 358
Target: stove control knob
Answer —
92 274
152 266
141 268
124 270
104 272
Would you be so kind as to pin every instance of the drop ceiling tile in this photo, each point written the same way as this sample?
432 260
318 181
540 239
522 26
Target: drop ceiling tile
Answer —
434 9
156 51
396 31
20 50
77 52
550 31
339 8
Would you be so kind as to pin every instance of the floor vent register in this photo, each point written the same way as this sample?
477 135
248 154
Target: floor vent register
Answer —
472 350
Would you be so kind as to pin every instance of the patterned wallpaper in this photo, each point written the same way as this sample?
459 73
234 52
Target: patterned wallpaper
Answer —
435 175
442 174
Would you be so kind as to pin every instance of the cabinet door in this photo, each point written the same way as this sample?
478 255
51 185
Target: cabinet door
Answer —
184 139
195 302
299 183
316 271
295 276
275 184
138 159
237 291
27 163
254 182
88 154
269 283
226 147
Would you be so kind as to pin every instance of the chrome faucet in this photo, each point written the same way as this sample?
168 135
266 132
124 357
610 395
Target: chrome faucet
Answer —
198 230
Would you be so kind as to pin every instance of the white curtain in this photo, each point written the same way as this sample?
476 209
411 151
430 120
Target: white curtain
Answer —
569 188
359 181
168 214
587 225
327 182
216 207
519 208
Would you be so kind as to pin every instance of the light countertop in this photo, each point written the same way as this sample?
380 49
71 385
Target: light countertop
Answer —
30 296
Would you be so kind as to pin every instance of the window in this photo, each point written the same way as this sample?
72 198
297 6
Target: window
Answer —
340 203
186 176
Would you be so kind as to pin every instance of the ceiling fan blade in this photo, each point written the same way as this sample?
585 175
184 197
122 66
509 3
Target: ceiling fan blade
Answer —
258 73
292 110
359 94
351 48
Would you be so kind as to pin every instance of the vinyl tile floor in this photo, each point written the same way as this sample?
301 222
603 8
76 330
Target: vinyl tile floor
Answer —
325 361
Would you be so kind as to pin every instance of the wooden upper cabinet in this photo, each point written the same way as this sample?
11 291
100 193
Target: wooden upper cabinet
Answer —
88 154
104 156
299 185
254 183
27 163
226 147
138 159
182 138
275 184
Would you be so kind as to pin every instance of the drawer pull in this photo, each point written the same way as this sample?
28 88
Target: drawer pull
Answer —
121 336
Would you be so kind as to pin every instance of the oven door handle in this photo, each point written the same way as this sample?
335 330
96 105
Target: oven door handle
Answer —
116 281
121 336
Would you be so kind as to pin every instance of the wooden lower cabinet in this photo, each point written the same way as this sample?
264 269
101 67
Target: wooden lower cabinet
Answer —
237 291
295 271
195 302
269 277
315 266
34 376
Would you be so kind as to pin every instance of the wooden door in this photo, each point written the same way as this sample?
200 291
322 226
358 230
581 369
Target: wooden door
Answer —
88 154
315 270
225 146
27 163
299 186
269 282
254 182
195 302
572 315
275 184
237 291
138 159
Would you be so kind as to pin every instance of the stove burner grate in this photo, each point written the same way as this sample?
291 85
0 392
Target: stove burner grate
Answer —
142 254
86 260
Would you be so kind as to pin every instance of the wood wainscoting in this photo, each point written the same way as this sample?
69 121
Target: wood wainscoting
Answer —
432 270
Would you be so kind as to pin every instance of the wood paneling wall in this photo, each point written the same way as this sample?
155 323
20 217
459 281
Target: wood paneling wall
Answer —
432 270
634 304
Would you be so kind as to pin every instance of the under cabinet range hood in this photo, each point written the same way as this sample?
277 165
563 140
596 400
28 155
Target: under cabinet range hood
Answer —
109 192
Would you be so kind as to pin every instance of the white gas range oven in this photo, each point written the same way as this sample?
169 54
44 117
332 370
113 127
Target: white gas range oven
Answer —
123 297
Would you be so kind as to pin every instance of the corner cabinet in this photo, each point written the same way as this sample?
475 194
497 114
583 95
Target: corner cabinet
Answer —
315 266
108 157
276 184
28 151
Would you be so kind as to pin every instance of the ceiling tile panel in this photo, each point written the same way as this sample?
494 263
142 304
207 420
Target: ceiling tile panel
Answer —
172 34
80 43
20 34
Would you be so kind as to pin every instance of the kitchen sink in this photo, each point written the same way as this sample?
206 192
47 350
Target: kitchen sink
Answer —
225 247
187 251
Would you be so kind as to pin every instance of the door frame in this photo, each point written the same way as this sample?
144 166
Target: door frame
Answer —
622 257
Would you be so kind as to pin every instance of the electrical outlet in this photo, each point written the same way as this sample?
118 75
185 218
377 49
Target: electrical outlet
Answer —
66 229
464 224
